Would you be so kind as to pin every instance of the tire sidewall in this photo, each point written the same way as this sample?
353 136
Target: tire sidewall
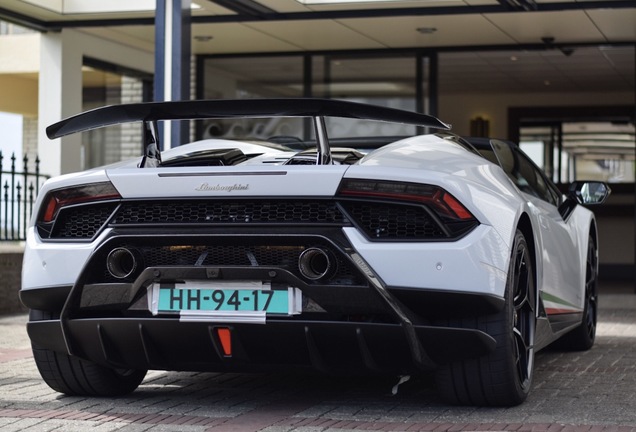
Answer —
521 385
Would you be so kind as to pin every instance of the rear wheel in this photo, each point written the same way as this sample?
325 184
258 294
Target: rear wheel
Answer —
582 338
77 377
503 377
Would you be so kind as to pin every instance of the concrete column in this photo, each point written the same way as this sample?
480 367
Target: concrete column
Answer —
172 62
59 96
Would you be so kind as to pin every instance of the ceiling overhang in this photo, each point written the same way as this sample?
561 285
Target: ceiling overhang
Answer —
244 11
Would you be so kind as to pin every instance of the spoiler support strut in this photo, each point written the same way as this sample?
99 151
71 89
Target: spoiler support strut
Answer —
152 152
323 150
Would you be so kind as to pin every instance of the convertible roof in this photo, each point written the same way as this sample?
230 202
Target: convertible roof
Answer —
234 108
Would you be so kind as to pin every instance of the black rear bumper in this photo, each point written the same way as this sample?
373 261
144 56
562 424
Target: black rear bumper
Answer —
359 325
350 342
331 347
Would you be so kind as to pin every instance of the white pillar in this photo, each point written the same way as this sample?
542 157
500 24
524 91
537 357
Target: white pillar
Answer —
59 96
172 62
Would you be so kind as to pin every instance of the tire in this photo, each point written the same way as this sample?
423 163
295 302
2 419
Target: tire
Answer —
503 377
78 377
582 337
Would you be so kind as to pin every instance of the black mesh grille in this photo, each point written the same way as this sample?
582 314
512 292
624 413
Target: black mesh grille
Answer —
225 211
81 222
394 221
377 220
281 256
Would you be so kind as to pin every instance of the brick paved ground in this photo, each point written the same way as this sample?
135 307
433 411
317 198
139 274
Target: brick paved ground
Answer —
590 391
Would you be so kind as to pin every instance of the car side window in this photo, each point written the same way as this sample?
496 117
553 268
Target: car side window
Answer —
523 172
534 178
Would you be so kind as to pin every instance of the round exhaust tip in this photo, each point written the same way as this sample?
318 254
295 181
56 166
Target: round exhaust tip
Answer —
121 263
315 263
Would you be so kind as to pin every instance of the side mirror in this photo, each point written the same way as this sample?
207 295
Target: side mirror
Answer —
589 192
583 192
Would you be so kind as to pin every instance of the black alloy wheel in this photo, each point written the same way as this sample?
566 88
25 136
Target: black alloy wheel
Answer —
591 295
524 319
504 376
582 337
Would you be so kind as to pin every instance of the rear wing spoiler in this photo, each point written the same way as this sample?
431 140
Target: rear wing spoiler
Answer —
151 113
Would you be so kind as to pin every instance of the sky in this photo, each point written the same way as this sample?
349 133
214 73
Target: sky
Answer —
10 139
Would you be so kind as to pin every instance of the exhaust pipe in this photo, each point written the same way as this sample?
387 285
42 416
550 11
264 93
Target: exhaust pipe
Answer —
121 262
315 263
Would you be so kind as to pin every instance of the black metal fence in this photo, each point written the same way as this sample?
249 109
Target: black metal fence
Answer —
18 190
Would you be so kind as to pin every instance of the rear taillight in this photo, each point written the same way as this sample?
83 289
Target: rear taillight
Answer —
436 198
56 199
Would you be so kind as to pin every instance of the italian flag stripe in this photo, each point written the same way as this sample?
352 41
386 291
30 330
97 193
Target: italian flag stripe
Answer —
556 306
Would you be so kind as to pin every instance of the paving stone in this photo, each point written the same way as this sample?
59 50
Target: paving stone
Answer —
573 392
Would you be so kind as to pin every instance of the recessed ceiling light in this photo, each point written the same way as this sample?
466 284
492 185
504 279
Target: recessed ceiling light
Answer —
426 30
514 58
319 2
112 6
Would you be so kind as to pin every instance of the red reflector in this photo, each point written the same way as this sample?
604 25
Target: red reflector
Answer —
456 207
51 210
443 203
76 195
226 340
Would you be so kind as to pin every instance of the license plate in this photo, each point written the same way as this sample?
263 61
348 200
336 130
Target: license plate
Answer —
246 301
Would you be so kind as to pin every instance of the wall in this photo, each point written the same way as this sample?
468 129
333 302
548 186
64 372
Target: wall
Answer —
18 73
19 94
10 268
30 138
616 234
60 88
131 136
458 109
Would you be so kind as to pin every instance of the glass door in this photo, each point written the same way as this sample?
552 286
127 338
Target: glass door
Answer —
577 150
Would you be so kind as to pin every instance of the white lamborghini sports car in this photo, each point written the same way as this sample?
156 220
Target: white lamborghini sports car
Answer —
429 254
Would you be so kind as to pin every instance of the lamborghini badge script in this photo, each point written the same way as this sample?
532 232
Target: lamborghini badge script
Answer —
205 187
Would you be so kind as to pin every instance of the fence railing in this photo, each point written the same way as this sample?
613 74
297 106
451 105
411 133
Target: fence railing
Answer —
18 190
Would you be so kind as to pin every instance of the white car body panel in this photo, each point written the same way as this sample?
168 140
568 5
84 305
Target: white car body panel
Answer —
481 186
225 181
454 266
46 264
560 269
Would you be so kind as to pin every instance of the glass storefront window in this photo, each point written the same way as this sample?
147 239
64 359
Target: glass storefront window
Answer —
389 81
253 77
600 151
119 142
280 130
383 81
588 150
